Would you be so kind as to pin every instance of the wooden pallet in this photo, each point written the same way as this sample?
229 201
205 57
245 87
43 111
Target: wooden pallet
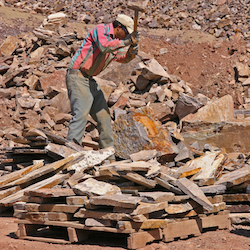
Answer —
181 229
218 220
76 232
184 228
135 238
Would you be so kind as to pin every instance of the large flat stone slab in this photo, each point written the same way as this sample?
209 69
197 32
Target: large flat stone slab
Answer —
92 187
191 189
220 110
134 132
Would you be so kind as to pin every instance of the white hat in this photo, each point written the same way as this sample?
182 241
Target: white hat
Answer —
126 21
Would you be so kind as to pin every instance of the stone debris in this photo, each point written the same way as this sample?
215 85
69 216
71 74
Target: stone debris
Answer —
219 18
180 165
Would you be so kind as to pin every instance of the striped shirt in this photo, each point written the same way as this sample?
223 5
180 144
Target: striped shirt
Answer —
98 49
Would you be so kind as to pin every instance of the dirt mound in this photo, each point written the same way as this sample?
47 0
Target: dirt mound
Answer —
207 66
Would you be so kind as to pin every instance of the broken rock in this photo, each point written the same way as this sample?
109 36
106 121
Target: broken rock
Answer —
220 110
136 131
92 187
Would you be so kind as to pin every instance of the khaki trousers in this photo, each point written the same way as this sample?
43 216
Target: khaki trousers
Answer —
86 97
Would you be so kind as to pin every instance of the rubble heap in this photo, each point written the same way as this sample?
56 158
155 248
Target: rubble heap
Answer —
138 197
168 182
221 18
33 90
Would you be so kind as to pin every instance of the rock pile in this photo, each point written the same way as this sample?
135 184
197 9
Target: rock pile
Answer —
34 95
33 90
221 18
137 197
150 109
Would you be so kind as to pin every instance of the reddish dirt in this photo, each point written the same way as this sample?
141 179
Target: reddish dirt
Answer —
237 238
207 66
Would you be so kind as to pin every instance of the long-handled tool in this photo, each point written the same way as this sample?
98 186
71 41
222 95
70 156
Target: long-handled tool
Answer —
137 6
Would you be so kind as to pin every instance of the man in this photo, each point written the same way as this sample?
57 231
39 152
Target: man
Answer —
102 45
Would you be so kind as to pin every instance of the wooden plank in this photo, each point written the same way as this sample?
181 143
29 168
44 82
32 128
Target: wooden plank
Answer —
77 235
219 221
181 229
75 225
140 239
29 151
147 224
191 189
47 240
47 183
25 230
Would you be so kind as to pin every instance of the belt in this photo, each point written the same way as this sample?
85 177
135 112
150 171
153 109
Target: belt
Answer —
79 73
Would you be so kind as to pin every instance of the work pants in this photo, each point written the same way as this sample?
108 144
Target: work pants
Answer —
86 97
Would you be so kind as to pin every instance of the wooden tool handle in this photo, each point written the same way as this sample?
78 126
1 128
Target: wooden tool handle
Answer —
136 20
135 27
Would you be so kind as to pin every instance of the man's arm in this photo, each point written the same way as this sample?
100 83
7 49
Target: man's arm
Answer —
122 57
104 42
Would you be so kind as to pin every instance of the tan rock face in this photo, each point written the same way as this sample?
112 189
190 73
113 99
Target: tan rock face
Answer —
9 46
220 110
55 79
153 70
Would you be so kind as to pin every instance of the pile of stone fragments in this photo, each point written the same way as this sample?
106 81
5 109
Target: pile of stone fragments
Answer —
222 18
168 182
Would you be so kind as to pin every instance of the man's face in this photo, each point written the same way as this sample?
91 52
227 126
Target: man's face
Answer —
121 32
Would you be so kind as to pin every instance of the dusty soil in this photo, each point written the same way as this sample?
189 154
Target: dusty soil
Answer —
200 59
237 238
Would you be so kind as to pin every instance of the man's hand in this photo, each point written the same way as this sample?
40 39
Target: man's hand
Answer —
132 39
134 50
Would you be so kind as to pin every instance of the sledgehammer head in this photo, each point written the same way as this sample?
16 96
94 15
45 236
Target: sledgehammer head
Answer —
138 5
